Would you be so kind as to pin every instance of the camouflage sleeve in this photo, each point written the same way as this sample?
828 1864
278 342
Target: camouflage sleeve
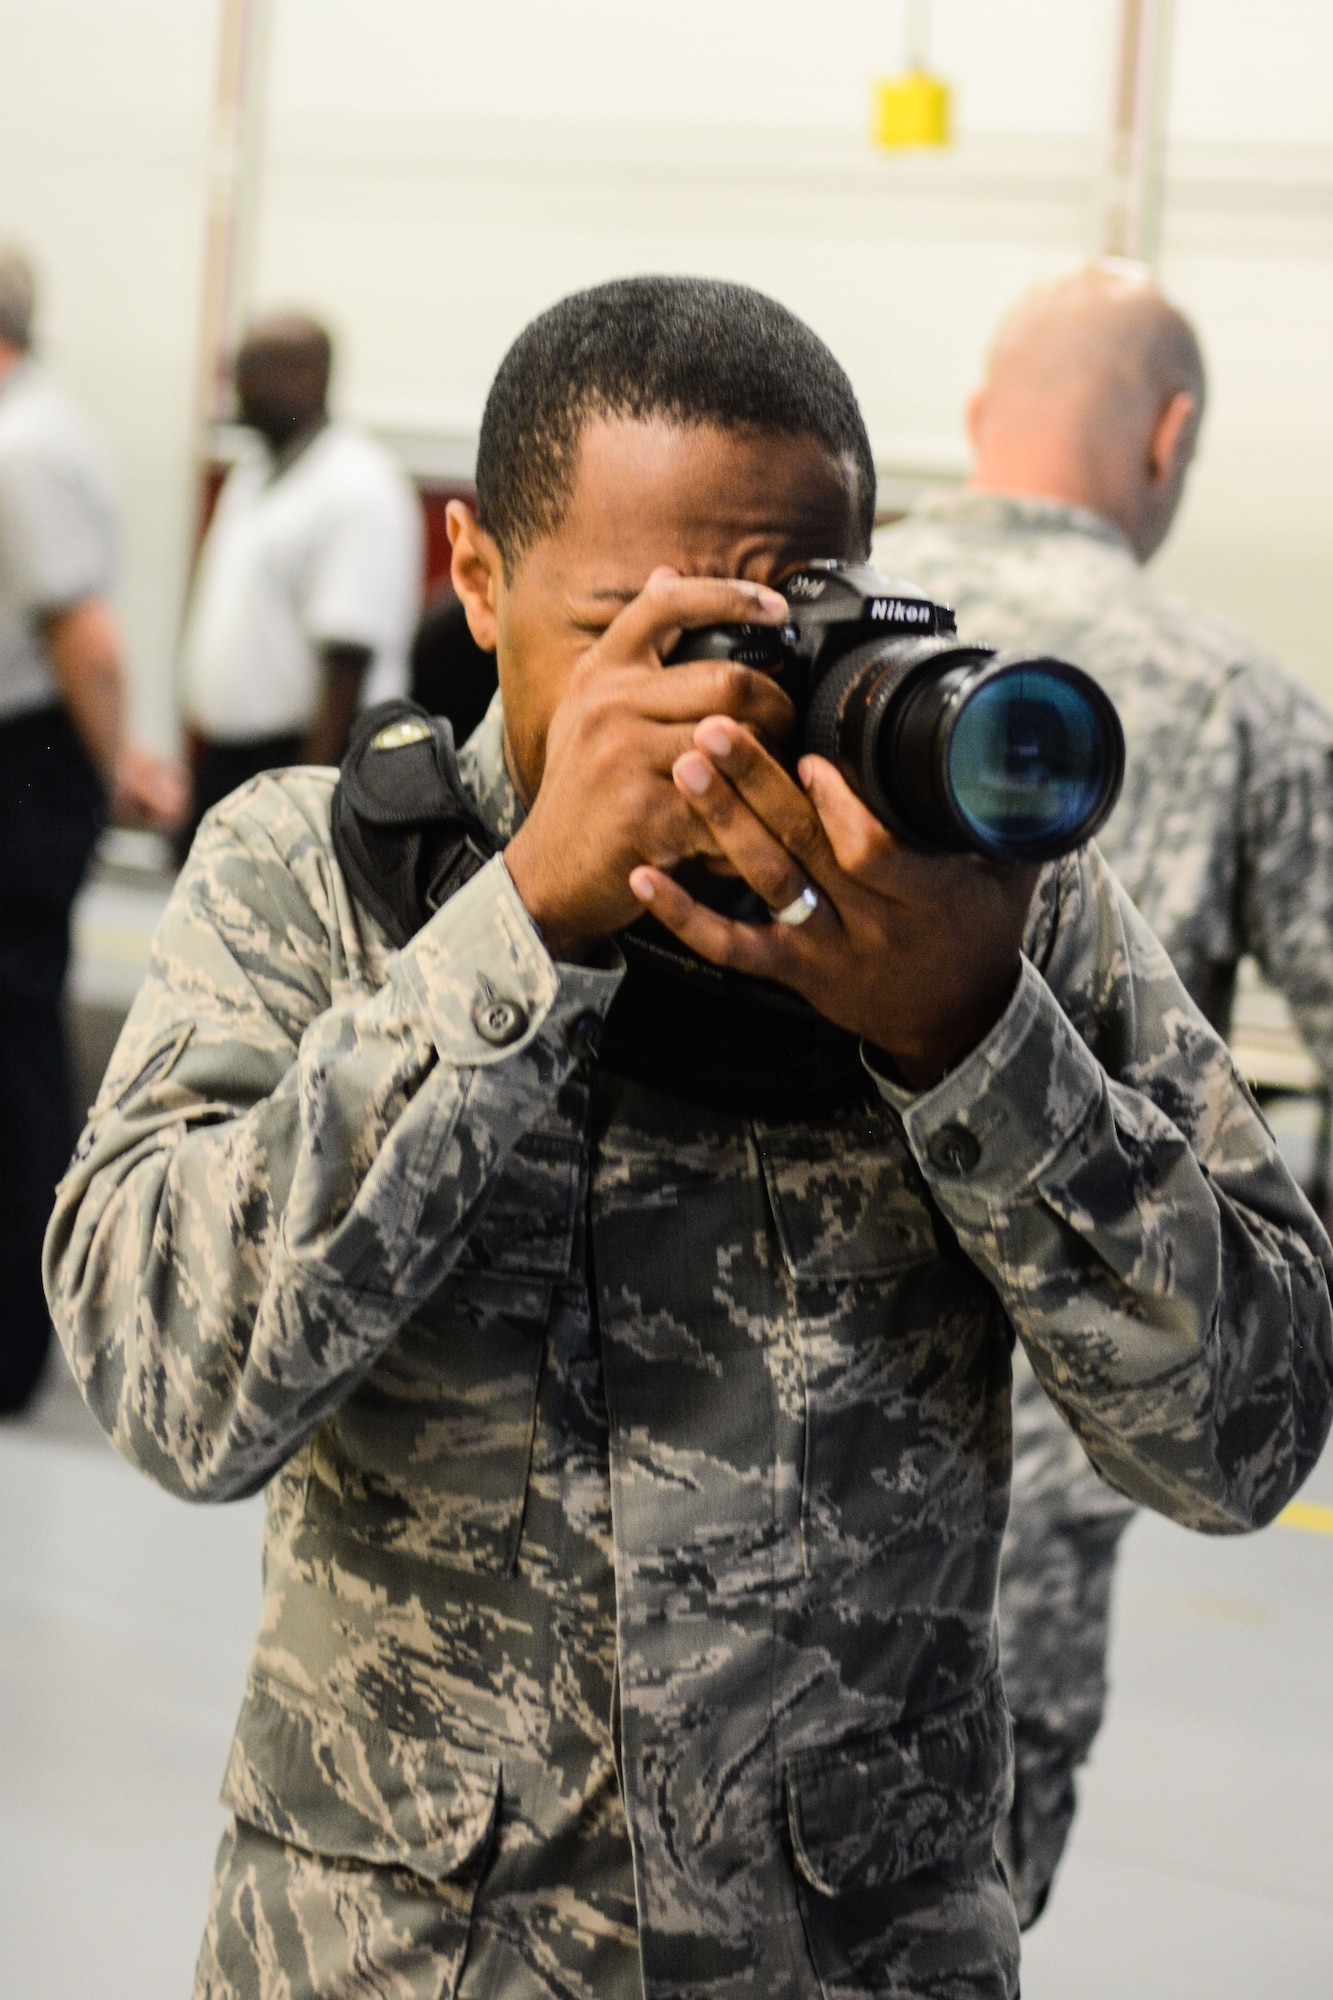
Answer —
1286 755
287 1153
1105 1167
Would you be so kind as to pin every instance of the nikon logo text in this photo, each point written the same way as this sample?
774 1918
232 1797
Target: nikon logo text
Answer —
896 611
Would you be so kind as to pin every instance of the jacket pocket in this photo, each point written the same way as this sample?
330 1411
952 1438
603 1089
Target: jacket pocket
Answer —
430 1456
347 1788
876 1809
849 1203
903 1362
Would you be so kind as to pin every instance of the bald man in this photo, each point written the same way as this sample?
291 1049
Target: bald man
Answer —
308 580
1083 431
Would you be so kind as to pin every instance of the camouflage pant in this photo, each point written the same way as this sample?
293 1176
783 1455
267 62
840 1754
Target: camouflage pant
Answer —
285 1924
289 1925
946 1933
1056 1573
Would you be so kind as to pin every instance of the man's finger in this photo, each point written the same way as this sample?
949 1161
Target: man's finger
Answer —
669 604
769 794
712 687
763 952
861 844
757 856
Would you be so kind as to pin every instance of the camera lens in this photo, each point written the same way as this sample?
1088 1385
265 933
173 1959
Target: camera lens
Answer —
1016 756
1030 759
955 747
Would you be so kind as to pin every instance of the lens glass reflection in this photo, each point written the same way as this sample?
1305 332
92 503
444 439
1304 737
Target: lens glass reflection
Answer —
1027 760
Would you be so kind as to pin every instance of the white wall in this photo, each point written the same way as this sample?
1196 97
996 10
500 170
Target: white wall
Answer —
437 171
436 181
432 193
1248 245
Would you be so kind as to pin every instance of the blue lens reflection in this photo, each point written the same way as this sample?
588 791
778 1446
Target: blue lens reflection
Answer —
1027 759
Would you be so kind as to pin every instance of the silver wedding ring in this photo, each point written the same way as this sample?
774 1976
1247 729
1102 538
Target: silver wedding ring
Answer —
799 911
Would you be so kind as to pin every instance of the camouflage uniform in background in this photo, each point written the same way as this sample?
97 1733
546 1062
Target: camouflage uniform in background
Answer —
637 1471
1224 839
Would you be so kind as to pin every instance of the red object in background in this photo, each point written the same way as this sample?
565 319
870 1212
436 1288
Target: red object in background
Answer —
434 495
210 485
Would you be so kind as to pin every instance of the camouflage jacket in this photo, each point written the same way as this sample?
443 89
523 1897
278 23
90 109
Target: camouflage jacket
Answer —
637 1473
1224 831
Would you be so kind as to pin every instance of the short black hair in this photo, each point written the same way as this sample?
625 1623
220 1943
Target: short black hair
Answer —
690 350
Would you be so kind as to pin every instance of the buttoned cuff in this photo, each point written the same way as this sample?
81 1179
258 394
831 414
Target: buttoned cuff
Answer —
993 1125
488 987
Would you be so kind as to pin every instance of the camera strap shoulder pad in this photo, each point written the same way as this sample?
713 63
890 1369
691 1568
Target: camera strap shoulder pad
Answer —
406 831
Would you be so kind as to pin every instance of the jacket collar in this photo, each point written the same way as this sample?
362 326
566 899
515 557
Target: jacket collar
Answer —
481 763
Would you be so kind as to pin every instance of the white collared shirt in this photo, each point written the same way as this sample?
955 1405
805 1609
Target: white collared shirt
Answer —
327 550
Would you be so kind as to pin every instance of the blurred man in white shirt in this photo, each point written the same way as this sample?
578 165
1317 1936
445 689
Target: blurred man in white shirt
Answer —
309 578
66 765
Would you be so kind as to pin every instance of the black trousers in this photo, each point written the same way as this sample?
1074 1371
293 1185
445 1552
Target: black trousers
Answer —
51 811
218 769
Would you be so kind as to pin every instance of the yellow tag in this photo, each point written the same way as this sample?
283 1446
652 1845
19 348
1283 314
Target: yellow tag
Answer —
399 734
911 110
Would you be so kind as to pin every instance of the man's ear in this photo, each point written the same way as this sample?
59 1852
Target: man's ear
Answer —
477 570
1171 445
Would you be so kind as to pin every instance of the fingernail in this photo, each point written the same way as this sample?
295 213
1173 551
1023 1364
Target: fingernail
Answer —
805 771
642 884
695 773
772 600
714 739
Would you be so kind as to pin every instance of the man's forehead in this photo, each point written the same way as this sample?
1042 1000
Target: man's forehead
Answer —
277 354
699 496
704 457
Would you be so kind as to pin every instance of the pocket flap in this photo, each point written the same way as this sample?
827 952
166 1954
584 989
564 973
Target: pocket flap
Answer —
343 1785
876 1808
847 1204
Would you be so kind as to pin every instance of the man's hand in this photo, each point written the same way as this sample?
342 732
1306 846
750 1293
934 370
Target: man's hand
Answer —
607 800
918 953
143 790
148 792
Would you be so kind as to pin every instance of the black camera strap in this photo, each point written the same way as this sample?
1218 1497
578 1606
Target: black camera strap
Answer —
722 1040
408 836
405 829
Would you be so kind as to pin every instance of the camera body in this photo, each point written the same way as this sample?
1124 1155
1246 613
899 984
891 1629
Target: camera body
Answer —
956 748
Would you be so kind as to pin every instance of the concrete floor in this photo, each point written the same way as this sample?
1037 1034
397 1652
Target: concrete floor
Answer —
1202 1863
125 1618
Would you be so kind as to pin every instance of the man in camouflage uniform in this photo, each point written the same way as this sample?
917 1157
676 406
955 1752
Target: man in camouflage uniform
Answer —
637 1456
1083 433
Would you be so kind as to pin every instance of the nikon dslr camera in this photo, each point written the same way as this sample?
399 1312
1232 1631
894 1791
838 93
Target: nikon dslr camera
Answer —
1012 755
